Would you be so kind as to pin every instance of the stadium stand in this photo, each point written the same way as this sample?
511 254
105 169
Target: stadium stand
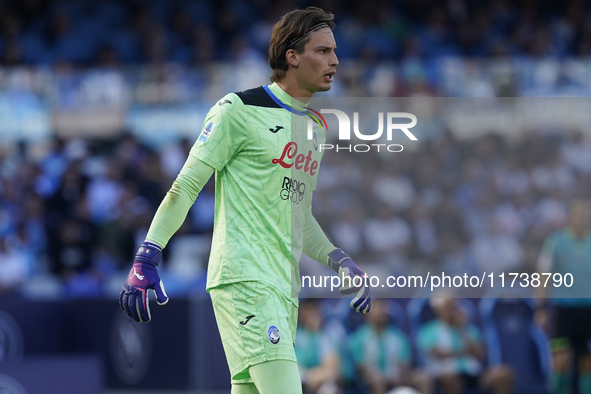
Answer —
513 338
100 100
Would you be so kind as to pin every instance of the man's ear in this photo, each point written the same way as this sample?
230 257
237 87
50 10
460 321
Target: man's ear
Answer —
292 58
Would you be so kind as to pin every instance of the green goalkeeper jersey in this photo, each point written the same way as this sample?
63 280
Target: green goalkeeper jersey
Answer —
266 161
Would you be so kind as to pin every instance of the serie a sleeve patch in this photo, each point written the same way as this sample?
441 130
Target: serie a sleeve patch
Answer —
206 132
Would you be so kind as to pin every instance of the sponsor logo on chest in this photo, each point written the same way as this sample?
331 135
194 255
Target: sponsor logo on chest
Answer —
290 157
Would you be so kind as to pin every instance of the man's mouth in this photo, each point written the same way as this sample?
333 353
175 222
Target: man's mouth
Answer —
328 76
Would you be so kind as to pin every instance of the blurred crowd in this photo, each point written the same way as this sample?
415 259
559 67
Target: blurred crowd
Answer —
462 206
195 32
73 210
72 219
435 346
76 209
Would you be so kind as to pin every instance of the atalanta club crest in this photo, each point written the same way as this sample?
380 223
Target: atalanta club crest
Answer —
274 335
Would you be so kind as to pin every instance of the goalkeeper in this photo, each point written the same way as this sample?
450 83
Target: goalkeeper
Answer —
263 218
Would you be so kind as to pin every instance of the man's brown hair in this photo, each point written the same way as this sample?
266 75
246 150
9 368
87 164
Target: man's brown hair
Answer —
293 32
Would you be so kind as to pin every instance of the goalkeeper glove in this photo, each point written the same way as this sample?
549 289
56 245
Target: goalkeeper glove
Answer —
142 277
342 264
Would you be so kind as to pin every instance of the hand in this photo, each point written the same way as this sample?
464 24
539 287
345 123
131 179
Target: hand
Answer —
142 277
342 264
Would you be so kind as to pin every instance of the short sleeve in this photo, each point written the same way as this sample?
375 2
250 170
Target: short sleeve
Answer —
549 245
223 134
405 352
356 347
546 258
325 346
474 334
425 339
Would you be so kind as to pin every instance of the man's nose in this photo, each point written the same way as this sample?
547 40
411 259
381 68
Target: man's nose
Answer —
334 61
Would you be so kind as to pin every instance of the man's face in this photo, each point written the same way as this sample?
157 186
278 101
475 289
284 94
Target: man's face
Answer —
310 316
580 215
447 311
318 63
378 317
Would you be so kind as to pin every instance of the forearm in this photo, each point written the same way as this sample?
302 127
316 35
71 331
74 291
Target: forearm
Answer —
473 349
317 246
176 204
328 370
317 377
373 377
316 243
441 354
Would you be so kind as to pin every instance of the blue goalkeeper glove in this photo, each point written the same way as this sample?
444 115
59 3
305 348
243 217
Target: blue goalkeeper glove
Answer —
342 264
142 277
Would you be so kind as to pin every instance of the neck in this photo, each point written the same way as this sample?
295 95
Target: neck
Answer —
578 232
291 87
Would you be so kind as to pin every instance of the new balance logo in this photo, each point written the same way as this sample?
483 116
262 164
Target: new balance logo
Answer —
243 323
224 102
140 277
277 128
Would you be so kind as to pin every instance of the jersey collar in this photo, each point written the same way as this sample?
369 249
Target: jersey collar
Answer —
285 100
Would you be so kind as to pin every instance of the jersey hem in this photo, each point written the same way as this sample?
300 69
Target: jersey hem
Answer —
255 361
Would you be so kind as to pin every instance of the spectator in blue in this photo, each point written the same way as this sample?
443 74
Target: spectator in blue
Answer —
382 354
567 251
14 269
317 355
453 352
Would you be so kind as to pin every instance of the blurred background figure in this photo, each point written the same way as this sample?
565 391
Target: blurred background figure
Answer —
568 251
318 357
14 269
454 352
383 355
100 99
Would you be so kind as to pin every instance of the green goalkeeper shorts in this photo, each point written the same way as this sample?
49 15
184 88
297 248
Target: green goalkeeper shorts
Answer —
257 324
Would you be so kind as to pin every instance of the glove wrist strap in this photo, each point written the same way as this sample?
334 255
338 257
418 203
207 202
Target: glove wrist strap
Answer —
335 258
150 253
